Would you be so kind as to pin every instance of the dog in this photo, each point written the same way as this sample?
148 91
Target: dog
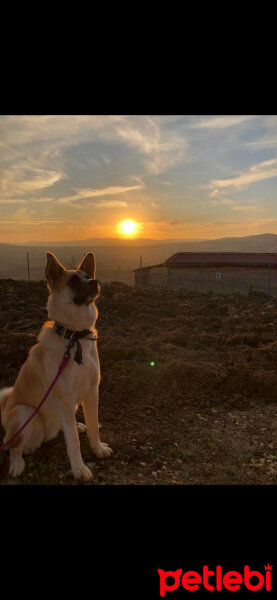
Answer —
72 313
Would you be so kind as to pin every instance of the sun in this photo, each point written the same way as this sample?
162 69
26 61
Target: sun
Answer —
128 227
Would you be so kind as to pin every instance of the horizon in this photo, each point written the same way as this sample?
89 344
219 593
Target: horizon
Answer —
70 178
37 243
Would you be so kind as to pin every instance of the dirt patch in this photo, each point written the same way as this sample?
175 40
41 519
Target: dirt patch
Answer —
188 389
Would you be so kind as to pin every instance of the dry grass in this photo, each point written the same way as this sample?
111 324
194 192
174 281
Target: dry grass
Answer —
205 412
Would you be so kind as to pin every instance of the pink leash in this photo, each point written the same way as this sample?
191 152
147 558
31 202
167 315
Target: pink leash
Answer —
60 370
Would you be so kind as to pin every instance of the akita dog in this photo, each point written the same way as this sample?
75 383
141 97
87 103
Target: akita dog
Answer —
73 315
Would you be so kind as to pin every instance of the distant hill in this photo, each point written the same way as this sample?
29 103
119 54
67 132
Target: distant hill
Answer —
116 262
265 242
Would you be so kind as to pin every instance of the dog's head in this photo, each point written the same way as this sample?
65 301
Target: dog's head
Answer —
72 292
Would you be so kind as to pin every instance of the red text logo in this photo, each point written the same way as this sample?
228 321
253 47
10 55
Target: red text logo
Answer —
216 580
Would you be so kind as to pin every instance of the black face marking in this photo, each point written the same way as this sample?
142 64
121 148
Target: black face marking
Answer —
85 289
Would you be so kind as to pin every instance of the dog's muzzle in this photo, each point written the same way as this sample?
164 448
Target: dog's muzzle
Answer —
85 290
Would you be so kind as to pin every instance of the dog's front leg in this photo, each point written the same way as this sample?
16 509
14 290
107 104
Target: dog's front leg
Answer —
79 469
90 408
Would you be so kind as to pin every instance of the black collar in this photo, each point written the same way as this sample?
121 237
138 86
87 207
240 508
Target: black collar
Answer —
73 337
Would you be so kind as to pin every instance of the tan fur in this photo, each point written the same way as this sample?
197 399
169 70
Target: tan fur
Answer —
78 384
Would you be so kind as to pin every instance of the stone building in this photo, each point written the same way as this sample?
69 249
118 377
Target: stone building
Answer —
217 271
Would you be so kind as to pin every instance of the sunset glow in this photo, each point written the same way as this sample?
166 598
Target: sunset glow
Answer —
78 177
128 227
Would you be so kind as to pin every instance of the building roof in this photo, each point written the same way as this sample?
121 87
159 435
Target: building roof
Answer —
223 258
245 259
149 267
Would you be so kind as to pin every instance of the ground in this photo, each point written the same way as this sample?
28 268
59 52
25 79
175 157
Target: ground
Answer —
203 413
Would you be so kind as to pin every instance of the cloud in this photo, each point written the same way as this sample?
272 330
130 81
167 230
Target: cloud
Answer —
84 162
164 181
232 204
61 130
27 177
25 217
162 147
96 193
221 202
258 172
247 207
194 228
175 223
41 152
154 137
24 201
13 201
262 143
110 204
221 122
165 225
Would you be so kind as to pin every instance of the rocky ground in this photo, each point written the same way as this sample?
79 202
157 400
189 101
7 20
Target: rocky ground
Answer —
204 413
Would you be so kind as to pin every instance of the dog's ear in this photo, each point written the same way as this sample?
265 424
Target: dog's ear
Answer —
53 270
88 265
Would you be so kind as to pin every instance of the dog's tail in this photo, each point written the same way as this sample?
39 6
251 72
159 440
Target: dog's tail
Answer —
4 396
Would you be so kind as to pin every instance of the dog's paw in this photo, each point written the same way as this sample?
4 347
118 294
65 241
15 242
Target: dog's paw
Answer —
17 466
81 427
84 473
101 450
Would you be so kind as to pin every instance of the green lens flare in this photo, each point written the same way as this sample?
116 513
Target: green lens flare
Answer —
152 363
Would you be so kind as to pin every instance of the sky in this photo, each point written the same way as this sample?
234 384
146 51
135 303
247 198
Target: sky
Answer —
70 177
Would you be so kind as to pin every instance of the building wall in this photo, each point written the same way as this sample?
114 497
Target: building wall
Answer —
242 279
153 277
